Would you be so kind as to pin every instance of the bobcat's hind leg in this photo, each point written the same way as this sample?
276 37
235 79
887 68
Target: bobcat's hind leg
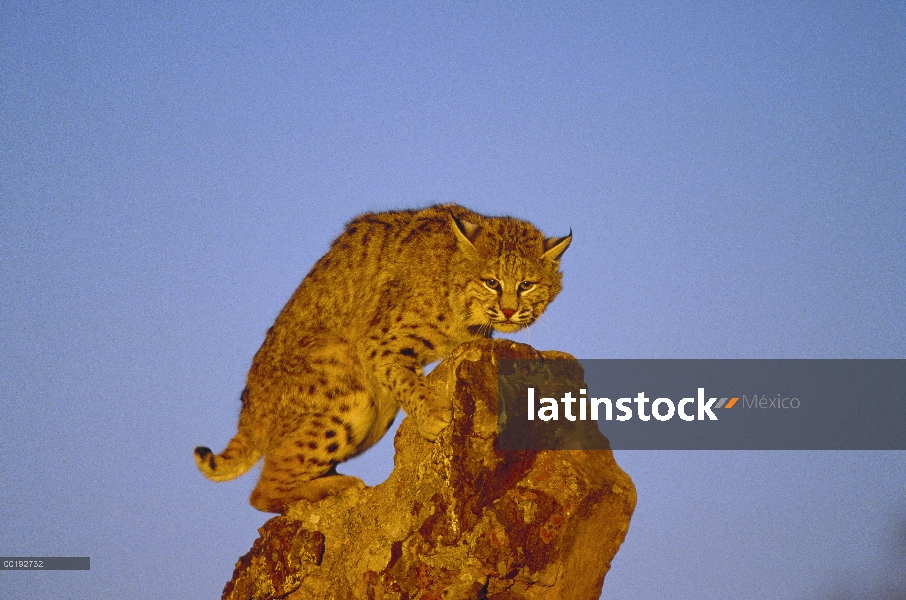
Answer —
302 466
329 484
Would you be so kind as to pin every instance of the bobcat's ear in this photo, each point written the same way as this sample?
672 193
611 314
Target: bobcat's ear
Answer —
465 232
555 247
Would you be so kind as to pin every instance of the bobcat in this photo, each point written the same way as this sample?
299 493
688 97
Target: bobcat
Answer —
396 291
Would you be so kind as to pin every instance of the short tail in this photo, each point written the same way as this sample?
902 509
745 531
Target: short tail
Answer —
239 457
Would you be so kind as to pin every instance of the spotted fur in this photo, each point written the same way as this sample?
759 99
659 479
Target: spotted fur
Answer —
396 291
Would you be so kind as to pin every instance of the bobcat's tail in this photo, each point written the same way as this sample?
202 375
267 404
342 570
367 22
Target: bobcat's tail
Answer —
238 457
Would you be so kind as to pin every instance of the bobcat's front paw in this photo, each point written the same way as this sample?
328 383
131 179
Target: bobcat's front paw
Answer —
434 417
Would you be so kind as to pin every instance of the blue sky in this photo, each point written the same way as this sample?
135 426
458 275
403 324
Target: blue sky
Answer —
733 176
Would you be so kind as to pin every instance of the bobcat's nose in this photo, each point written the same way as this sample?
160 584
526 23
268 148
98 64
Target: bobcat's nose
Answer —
507 312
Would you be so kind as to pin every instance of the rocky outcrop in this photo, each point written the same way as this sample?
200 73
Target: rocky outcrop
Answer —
457 519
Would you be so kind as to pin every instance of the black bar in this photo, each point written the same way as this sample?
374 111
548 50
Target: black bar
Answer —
45 563
781 404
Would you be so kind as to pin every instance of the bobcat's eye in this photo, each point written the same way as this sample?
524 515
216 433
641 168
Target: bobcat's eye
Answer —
526 286
492 284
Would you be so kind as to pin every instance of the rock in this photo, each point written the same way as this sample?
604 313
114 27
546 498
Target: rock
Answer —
456 519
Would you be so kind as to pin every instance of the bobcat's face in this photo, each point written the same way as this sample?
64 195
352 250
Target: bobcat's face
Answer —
508 301
509 273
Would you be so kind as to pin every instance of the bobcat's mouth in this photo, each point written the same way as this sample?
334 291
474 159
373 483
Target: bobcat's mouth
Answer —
495 318
510 324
